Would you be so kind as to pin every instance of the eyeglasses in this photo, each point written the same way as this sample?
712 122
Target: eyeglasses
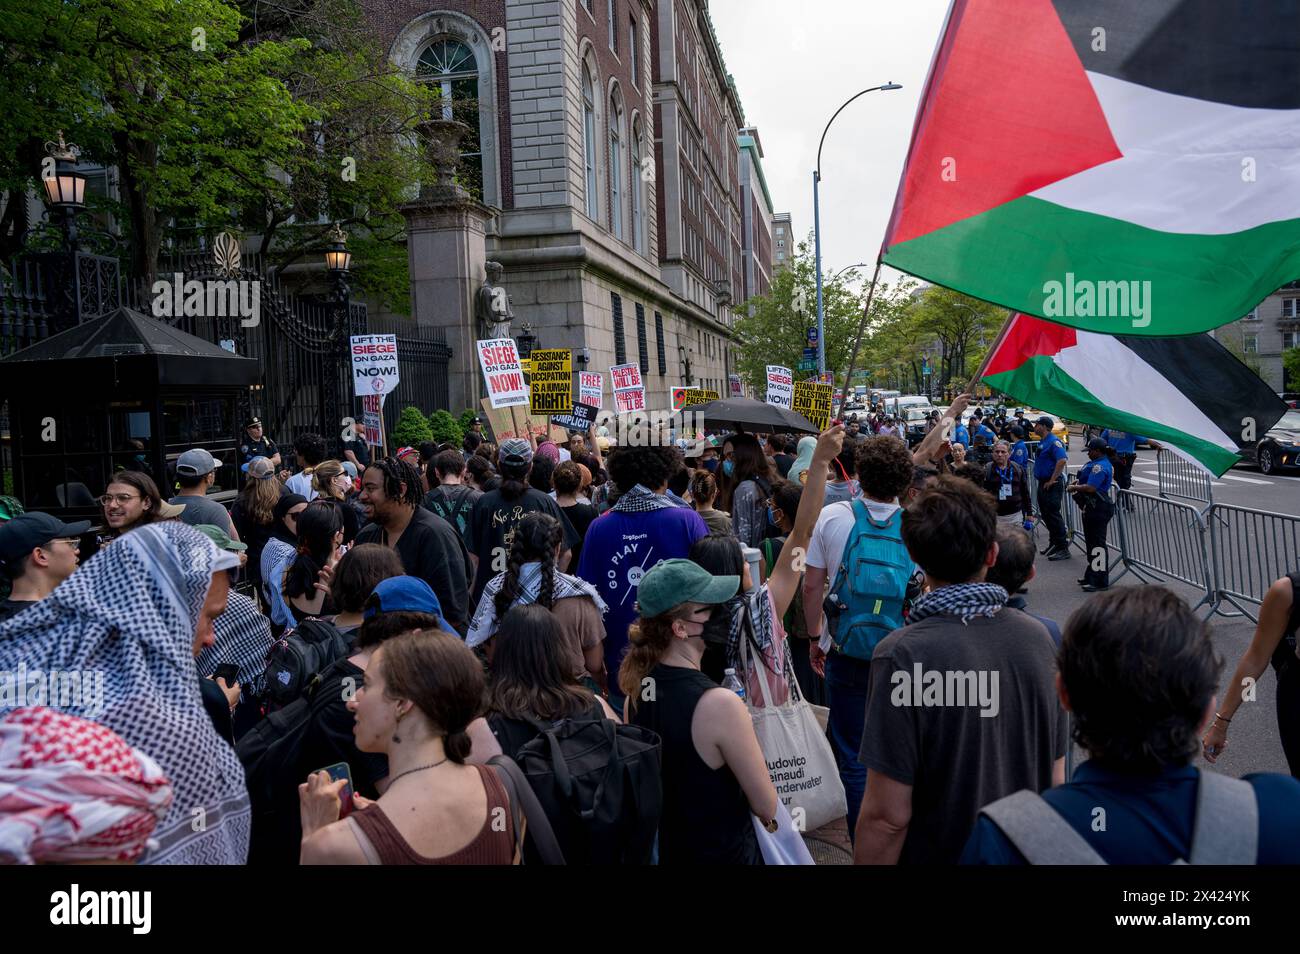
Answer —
108 499
73 542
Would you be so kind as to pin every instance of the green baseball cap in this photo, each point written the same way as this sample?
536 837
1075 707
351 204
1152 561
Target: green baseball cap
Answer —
671 583
220 537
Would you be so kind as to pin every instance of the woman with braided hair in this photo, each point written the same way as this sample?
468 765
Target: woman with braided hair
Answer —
532 576
429 546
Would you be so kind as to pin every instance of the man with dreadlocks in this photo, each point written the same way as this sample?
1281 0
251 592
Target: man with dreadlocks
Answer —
430 547
531 576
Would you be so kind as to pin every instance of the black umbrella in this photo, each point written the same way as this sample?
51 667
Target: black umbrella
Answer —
746 414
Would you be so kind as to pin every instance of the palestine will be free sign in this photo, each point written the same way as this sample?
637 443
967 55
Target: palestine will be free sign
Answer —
813 401
551 383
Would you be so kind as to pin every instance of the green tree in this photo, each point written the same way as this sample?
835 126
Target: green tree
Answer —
1291 369
466 419
775 330
445 427
213 117
412 428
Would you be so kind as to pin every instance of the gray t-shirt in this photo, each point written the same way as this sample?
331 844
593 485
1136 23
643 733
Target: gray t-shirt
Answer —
203 510
931 734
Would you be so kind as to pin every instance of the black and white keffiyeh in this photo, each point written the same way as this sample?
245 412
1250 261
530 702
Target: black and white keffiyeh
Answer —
966 600
641 499
130 614
484 625
243 636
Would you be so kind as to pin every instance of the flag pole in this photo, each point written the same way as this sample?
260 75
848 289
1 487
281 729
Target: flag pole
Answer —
857 344
988 358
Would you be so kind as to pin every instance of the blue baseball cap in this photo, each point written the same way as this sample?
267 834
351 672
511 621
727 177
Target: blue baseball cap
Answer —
405 594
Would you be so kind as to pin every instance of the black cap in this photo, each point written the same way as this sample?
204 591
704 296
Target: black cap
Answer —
19 536
1097 443
1046 421
252 422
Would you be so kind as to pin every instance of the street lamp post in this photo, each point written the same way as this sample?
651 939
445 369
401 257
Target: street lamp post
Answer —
65 188
817 226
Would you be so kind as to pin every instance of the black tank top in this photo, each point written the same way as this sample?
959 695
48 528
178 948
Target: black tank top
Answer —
1284 656
706 817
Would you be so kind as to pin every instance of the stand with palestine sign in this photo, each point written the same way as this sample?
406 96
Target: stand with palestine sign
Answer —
813 401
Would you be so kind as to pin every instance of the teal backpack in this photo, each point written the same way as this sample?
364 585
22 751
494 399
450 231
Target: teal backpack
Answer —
866 603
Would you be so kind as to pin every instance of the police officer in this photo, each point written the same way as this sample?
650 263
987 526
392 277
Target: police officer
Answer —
255 444
1092 494
1019 449
1049 471
1125 446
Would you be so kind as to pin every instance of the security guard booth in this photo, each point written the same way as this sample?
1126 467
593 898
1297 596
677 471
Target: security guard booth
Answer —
121 392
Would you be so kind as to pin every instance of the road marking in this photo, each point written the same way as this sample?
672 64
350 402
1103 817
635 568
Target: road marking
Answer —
1147 480
1247 480
1173 482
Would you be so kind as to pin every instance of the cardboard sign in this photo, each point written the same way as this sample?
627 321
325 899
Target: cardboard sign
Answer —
506 422
813 401
679 397
550 387
499 358
374 364
591 388
580 419
737 389
699 396
629 390
780 386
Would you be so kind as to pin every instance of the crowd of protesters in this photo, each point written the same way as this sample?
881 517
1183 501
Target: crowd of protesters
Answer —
358 662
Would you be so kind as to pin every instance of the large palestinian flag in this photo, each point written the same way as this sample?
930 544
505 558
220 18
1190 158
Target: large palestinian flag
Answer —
1188 392
1124 166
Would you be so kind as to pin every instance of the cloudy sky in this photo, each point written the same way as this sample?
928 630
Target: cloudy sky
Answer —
795 64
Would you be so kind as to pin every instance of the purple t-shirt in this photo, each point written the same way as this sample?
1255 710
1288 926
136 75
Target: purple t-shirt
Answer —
618 550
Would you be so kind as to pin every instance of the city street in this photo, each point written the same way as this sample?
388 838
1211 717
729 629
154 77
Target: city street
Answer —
1253 744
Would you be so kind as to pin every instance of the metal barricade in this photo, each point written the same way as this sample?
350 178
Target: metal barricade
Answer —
1166 539
1179 477
1250 550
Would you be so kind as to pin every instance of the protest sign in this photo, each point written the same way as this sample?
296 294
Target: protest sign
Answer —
780 386
550 387
501 371
504 422
737 389
629 390
580 419
374 364
813 401
695 396
679 397
591 388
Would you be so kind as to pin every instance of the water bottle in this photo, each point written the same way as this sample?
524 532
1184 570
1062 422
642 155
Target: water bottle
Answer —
729 681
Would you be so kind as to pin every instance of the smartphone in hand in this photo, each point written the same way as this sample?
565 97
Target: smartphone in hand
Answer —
227 671
340 770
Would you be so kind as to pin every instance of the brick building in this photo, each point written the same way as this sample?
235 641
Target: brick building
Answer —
606 153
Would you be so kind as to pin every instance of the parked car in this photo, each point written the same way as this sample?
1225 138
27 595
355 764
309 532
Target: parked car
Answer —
1061 430
1278 448
1292 398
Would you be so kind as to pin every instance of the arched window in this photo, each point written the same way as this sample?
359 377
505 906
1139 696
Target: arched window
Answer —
589 140
638 190
615 169
449 65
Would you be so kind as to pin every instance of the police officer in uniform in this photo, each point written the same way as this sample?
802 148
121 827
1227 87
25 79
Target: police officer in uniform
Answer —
1125 446
255 444
1092 494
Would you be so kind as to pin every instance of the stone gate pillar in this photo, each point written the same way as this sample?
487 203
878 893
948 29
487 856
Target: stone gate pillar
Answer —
446 249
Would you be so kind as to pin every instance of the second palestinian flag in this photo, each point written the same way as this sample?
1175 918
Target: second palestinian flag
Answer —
1118 166
1189 392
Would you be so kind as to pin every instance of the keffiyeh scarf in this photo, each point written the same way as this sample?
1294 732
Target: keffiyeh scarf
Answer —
243 637
641 499
484 625
128 616
966 600
72 790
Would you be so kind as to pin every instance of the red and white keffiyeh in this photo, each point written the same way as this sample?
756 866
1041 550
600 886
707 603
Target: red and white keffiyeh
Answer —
73 790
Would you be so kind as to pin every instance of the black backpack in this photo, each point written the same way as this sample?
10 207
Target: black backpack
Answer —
599 784
272 752
454 510
300 655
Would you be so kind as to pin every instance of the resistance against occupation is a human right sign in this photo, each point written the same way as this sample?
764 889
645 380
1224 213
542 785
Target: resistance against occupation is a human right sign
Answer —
551 384
813 401
374 364
505 379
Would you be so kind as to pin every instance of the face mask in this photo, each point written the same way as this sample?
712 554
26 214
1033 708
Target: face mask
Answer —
771 517
717 631
711 465
728 467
